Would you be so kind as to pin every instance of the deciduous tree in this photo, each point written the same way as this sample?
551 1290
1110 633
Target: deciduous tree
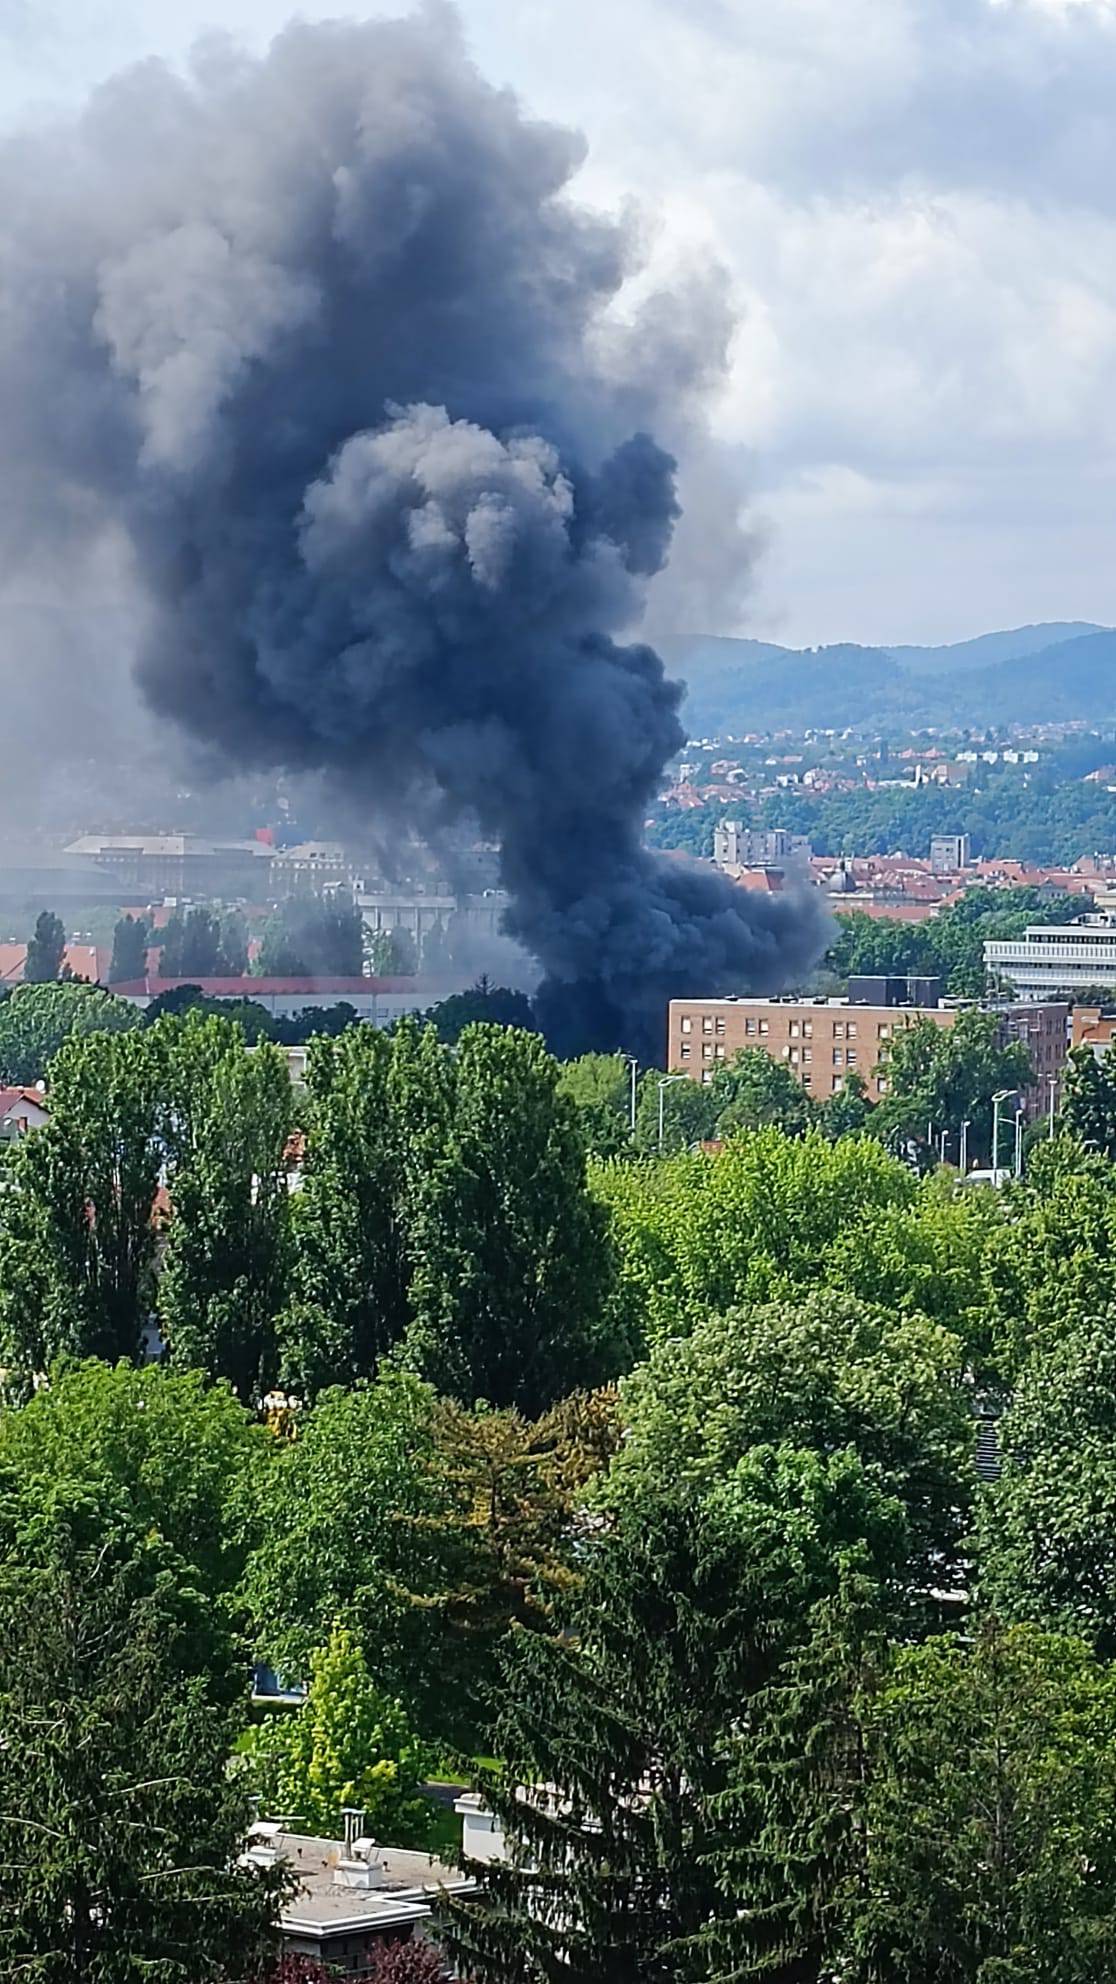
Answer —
36 1019
76 1233
349 1290
224 1277
1046 1546
349 1744
45 950
990 1816
130 939
510 1257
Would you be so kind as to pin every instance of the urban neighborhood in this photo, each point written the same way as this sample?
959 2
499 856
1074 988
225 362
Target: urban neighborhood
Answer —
558 993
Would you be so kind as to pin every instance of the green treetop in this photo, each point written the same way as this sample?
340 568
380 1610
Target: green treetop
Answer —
45 950
348 1744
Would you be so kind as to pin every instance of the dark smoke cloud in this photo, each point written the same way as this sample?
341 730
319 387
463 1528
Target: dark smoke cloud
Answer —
324 342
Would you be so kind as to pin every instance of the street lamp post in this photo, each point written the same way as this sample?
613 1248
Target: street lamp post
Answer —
965 1146
664 1084
1019 1114
633 1070
1001 1095
1052 1088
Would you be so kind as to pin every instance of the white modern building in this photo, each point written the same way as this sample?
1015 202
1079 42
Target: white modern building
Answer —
737 846
1056 960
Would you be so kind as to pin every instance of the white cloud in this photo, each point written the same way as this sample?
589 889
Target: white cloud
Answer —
917 202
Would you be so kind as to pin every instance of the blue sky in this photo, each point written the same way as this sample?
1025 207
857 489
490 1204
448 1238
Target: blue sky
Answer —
916 200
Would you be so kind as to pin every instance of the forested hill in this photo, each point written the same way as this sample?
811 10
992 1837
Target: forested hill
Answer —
1061 670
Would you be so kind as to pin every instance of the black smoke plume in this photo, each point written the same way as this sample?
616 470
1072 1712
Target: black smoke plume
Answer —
324 343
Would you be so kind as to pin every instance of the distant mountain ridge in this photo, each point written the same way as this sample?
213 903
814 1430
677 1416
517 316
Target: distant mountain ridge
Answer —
1055 672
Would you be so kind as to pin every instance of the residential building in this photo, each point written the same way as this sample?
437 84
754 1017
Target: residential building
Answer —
821 1040
949 853
737 846
1056 959
352 1895
21 1109
1093 1027
824 1040
89 961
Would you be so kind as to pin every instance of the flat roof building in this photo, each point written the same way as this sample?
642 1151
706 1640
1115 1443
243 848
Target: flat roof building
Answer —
352 1895
1056 958
823 1040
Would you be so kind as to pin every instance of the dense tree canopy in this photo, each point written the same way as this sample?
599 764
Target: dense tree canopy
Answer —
312 937
36 1019
347 1745
768 1684
130 939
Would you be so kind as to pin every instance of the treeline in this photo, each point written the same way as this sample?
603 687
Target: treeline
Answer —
1036 820
938 1079
35 1019
426 1190
950 944
748 1514
304 937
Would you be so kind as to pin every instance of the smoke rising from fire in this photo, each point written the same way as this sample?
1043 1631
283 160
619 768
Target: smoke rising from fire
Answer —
323 341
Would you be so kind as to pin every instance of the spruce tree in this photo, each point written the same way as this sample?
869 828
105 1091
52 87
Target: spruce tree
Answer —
119 1827
622 1737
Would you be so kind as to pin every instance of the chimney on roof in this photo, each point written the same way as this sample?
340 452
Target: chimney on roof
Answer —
352 1823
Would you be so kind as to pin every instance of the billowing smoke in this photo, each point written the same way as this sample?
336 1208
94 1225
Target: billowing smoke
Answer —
324 343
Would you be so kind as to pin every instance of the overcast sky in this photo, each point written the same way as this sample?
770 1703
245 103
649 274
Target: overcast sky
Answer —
917 201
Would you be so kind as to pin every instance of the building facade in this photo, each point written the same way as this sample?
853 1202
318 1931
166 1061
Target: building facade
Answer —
949 853
737 846
146 867
823 1041
1052 960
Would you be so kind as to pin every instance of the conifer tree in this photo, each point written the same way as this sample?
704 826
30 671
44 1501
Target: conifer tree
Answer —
119 1828
621 1738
